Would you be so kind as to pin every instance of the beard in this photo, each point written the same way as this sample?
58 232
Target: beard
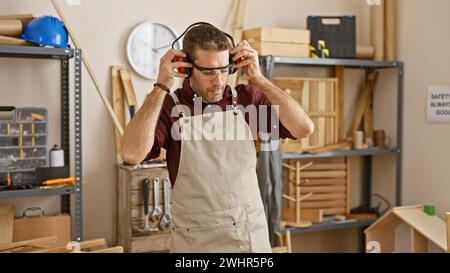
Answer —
215 93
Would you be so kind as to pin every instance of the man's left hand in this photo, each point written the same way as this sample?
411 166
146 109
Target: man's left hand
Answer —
249 60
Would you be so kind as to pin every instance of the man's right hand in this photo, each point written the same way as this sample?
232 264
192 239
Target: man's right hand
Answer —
168 69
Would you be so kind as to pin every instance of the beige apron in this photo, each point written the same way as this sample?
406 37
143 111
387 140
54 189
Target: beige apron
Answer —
216 202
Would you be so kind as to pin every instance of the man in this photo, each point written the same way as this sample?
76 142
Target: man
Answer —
216 202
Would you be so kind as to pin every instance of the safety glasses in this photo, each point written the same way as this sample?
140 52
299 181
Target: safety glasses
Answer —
212 72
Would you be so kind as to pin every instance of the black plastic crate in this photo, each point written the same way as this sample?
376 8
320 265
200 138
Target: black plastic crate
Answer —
339 35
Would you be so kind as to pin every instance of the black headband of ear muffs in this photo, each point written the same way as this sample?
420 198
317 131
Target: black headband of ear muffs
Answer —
202 23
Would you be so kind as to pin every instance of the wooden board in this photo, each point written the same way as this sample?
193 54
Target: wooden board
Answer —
328 148
313 215
281 49
151 243
324 174
119 108
6 224
83 245
115 249
323 189
339 74
314 107
325 181
27 228
280 35
368 121
27 245
419 244
319 98
447 215
123 208
130 95
347 183
363 100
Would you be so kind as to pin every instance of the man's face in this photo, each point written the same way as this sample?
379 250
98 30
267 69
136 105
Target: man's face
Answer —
210 84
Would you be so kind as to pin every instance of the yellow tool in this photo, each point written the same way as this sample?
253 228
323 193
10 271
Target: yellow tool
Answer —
53 187
68 180
57 186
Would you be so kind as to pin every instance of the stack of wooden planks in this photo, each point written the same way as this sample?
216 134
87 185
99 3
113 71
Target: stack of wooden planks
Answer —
319 99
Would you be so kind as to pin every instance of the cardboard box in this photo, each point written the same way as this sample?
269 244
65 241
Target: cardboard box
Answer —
281 49
279 35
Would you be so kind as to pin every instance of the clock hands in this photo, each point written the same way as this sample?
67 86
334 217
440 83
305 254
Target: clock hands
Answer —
161 47
156 50
145 43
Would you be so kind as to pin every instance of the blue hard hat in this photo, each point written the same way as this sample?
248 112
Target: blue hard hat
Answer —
46 30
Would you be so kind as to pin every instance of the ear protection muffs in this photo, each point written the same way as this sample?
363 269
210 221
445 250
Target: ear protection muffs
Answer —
187 70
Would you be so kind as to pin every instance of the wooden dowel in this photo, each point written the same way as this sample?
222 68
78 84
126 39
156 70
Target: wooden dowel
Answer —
289 197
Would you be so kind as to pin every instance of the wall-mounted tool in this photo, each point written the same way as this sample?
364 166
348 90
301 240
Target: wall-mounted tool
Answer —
147 228
167 217
157 212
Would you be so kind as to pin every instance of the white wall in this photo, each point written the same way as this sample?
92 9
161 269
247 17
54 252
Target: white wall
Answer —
102 27
427 149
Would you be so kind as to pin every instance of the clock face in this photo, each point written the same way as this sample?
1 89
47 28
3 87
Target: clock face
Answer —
147 43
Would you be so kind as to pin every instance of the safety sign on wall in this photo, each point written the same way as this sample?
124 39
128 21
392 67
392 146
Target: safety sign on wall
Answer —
439 104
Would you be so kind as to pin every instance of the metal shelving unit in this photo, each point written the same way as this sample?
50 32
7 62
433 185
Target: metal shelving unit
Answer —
329 225
368 152
33 193
64 56
268 63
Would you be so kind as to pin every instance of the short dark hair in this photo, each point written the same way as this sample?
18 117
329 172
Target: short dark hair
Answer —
204 37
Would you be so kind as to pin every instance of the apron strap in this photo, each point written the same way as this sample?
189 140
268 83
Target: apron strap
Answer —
235 100
177 104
